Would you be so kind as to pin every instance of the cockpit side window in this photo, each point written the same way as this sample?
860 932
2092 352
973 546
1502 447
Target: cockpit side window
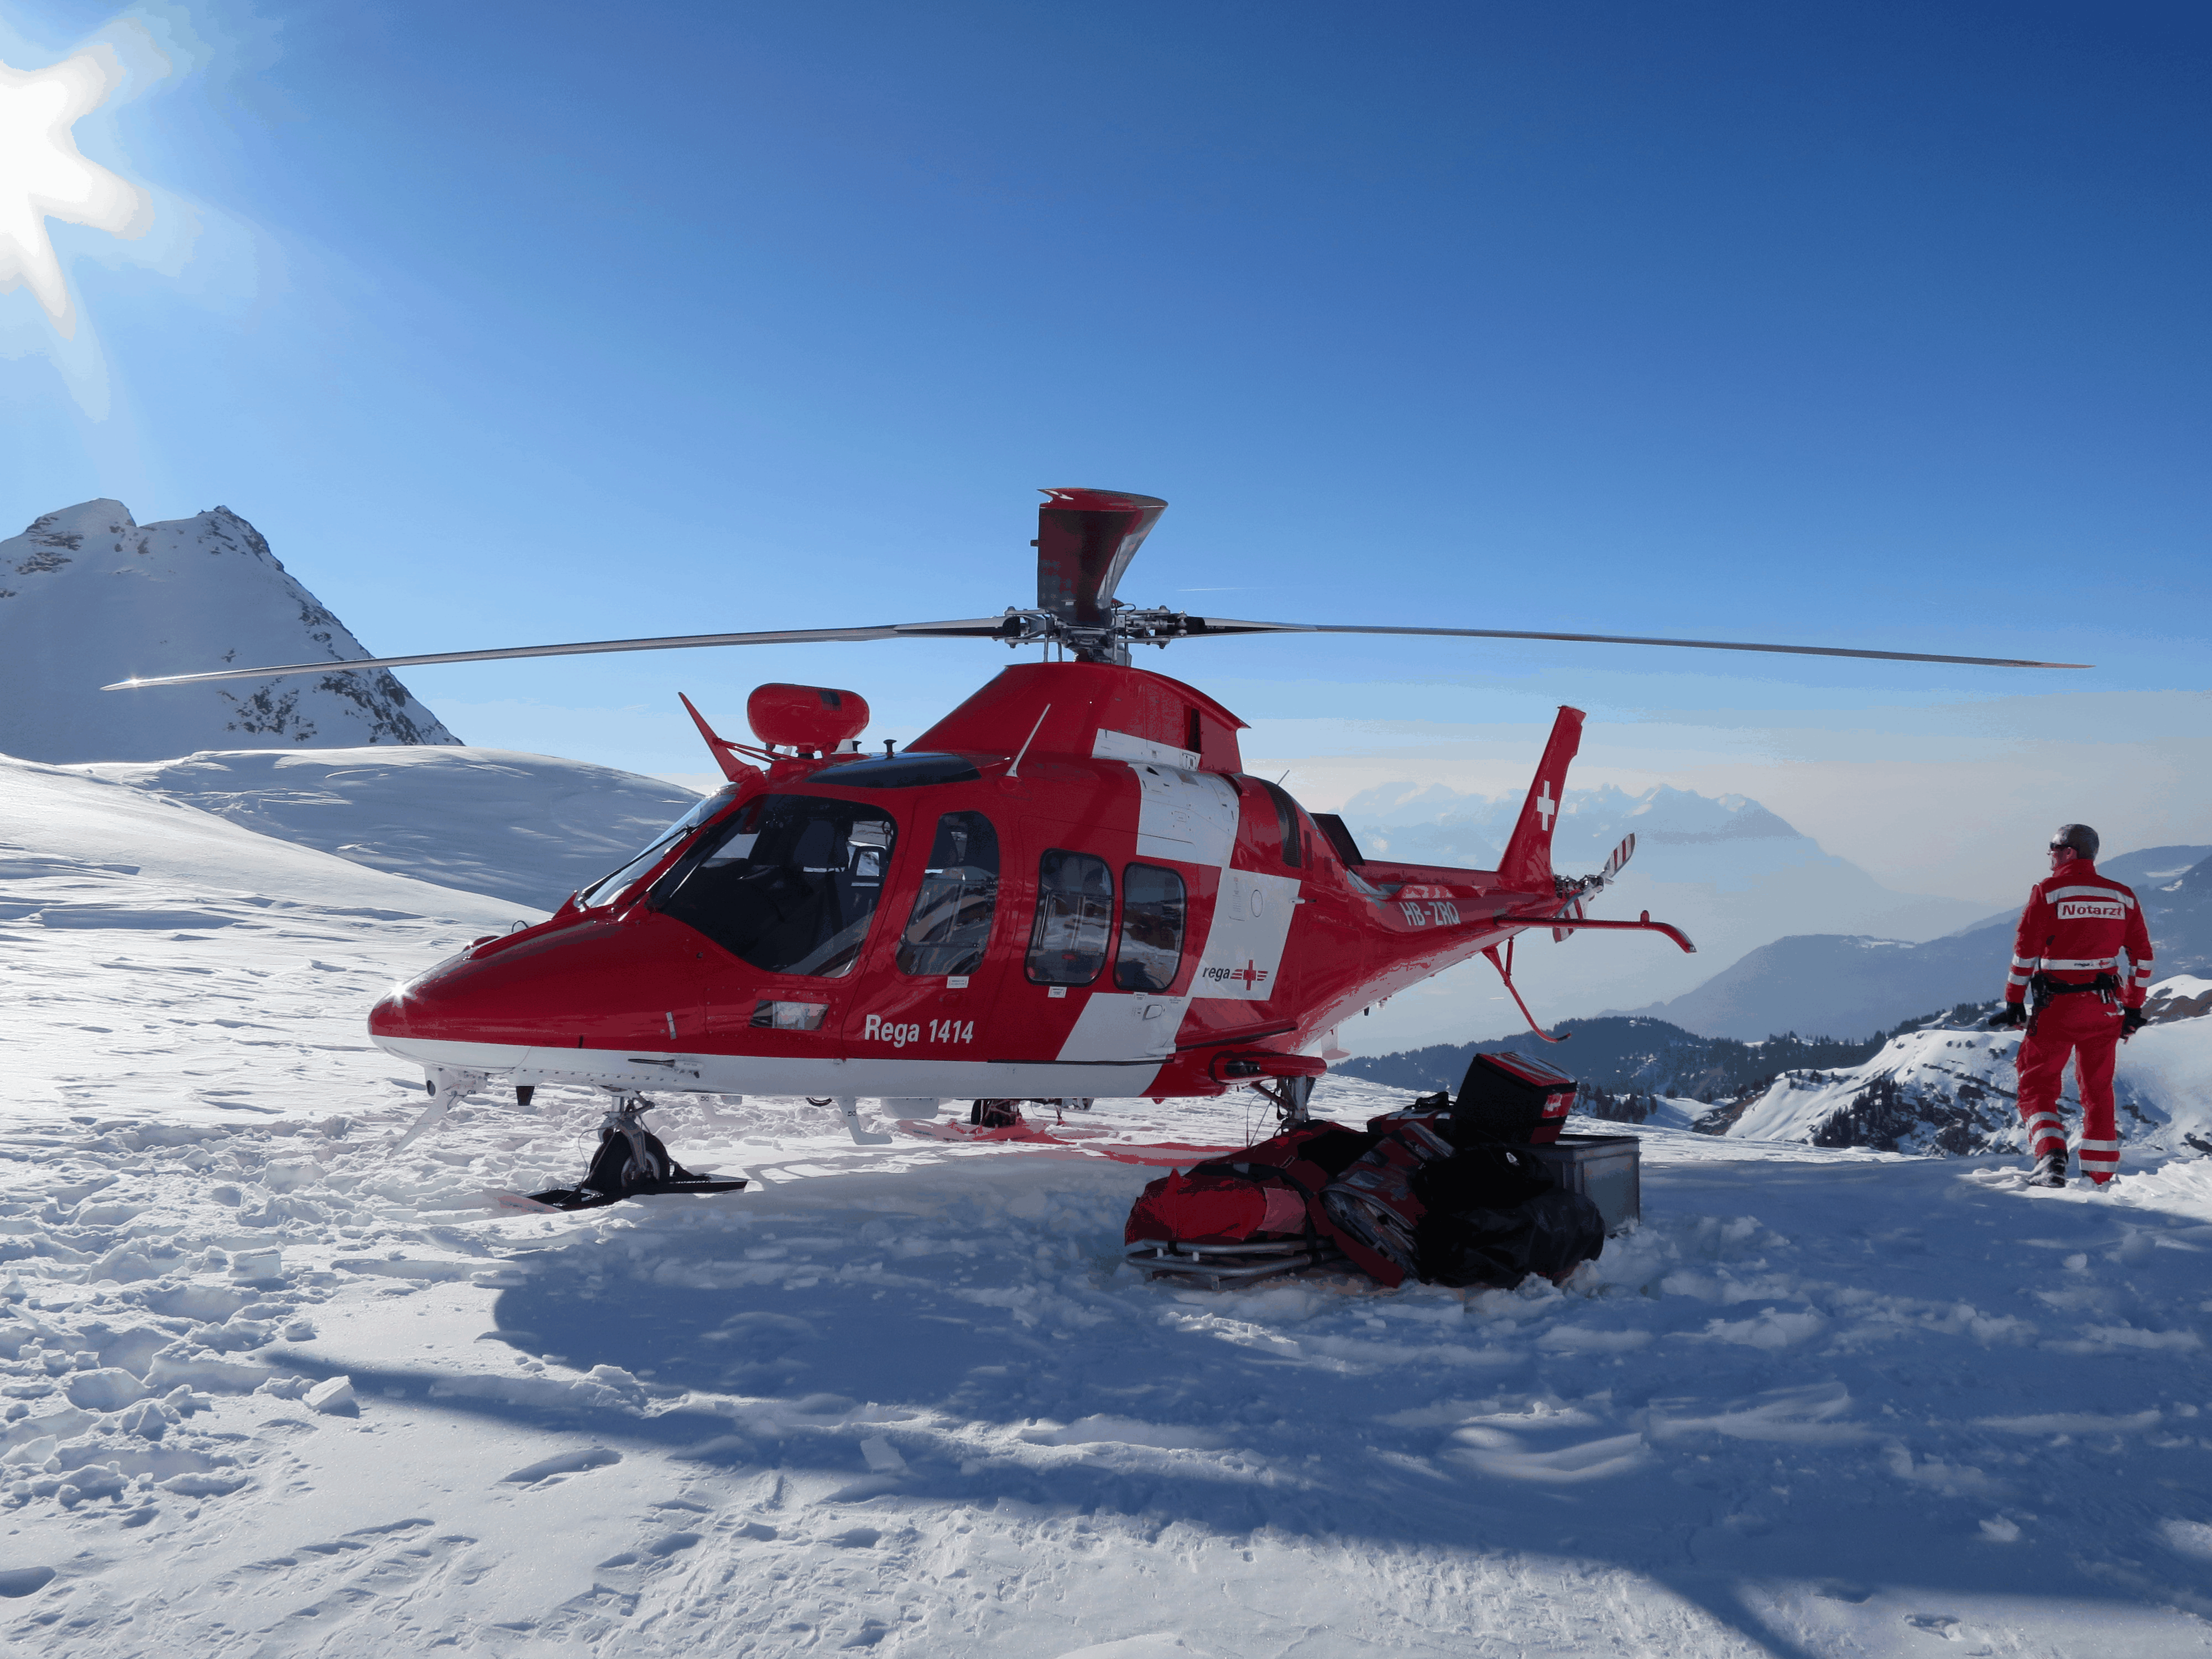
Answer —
1074 918
951 925
609 888
1151 950
790 884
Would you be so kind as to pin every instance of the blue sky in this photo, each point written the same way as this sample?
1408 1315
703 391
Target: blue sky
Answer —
1867 323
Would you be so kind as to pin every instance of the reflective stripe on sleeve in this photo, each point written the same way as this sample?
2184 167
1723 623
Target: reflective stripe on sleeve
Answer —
2016 979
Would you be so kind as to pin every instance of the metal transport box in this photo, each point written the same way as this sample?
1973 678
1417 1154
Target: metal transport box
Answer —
1607 1169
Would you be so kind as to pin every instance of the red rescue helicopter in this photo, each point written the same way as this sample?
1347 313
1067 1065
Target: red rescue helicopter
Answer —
1066 887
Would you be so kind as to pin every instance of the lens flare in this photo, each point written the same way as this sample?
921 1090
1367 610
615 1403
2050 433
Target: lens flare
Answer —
43 176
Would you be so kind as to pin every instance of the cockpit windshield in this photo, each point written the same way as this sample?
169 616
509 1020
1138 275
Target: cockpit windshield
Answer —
789 883
608 888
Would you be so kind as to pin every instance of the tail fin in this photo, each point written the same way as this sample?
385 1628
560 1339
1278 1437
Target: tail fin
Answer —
724 752
1527 865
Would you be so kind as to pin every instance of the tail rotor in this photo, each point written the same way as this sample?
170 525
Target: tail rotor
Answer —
1579 892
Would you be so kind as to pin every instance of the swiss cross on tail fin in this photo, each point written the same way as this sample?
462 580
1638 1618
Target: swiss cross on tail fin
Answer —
1527 865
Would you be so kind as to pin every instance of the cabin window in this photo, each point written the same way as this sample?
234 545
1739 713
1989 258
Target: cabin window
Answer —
1074 918
789 885
952 921
1286 822
1150 950
607 889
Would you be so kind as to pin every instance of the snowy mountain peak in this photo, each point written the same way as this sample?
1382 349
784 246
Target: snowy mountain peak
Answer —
1666 815
89 596
65 531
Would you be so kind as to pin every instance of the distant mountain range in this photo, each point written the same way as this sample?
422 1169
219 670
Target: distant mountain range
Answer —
1850 985
1624 1053
87 595
1939 1082
1729 873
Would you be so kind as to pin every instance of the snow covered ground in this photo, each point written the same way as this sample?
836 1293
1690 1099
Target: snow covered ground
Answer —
527 827
908 1398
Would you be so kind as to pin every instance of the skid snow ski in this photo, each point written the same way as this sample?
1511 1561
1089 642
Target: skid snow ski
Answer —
1068 887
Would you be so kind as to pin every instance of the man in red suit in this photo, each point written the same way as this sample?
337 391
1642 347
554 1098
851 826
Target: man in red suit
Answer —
2072 933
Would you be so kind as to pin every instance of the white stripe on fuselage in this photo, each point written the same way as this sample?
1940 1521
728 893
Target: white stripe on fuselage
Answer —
764 1074
1120 1025
1185 818
1188 817
1243 957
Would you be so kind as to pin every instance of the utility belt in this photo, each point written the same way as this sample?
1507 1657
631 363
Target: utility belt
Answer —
2041 988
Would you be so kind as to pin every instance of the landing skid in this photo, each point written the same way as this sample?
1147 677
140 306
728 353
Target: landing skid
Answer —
563 1199
446 1086
630 1162
1292 1098
848 1108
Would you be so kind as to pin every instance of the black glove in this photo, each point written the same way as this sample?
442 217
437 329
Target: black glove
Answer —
2013 1013
2131 1021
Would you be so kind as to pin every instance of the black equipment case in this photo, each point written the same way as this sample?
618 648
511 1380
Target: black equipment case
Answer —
1514 1098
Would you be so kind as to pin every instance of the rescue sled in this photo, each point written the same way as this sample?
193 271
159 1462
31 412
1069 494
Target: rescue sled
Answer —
1220 1266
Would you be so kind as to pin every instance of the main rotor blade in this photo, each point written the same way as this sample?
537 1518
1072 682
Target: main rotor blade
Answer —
975 627
1200 627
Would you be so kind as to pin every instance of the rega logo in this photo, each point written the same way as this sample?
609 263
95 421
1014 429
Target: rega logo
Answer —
879 1030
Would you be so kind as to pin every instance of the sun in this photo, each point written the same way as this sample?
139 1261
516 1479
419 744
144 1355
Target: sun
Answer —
43 176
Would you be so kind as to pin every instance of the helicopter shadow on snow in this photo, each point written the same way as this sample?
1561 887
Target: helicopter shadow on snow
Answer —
1071 1357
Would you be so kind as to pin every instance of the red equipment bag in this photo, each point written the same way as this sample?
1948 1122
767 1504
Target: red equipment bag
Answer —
1267 1191
1418 1207
1373 1206
1511 1098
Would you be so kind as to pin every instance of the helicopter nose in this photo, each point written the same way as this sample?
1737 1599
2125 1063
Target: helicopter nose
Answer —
592 984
